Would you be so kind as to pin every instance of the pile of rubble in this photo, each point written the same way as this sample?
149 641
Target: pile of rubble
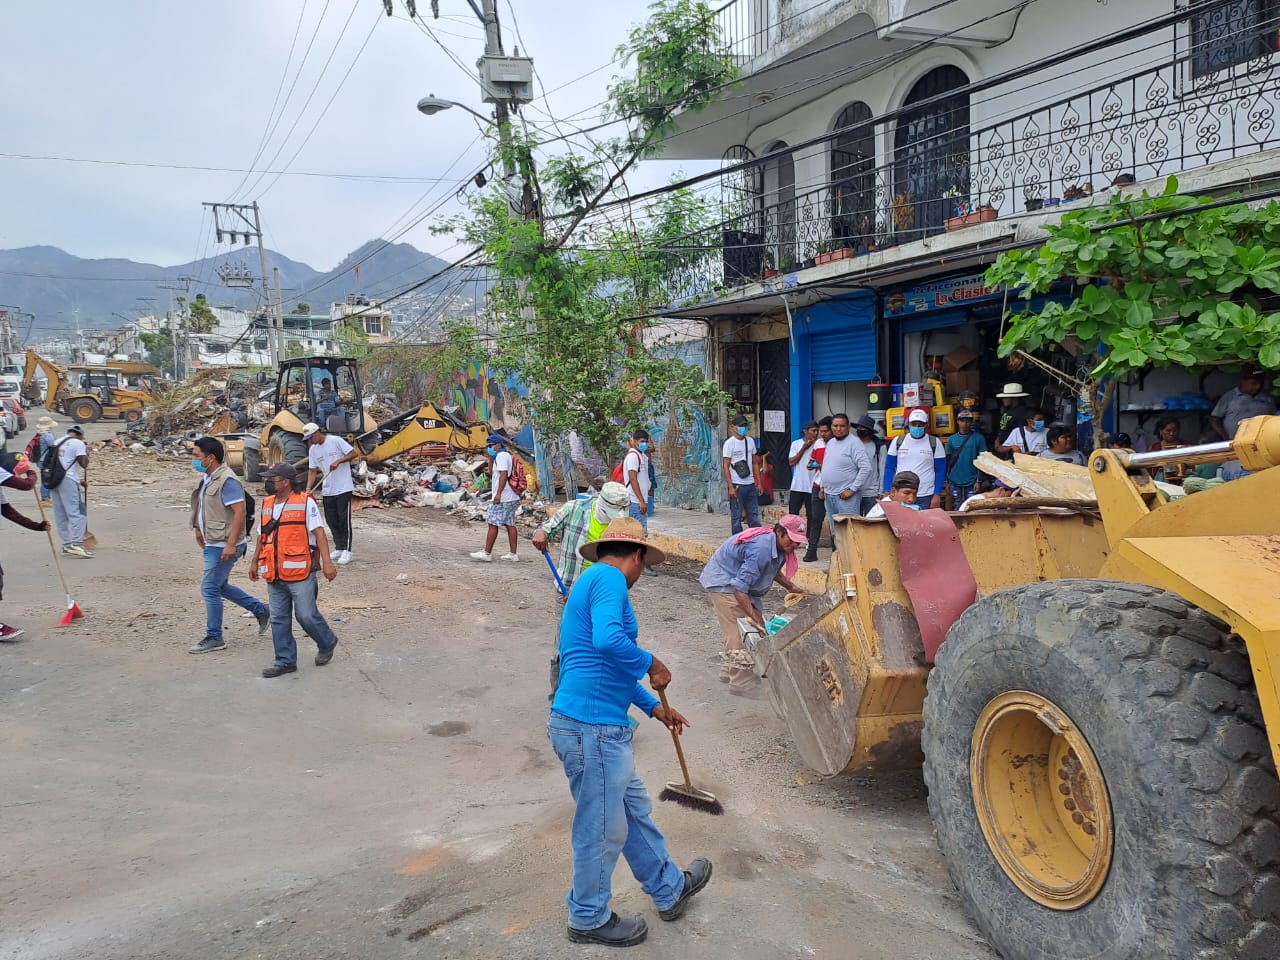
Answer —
428 477
211 401
123 460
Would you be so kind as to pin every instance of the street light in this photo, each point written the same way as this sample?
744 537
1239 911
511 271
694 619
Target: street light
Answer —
430 105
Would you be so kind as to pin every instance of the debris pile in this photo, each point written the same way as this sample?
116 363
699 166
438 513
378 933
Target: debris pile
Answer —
123 460
426 477
211 401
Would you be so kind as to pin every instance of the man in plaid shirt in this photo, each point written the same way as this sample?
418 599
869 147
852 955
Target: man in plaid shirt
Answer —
579 522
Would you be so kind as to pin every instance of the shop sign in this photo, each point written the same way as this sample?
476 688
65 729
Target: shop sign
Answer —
940 295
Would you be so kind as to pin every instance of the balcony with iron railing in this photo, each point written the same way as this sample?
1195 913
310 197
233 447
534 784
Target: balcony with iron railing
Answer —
1147 125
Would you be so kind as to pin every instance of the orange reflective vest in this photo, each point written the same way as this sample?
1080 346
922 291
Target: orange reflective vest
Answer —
285 552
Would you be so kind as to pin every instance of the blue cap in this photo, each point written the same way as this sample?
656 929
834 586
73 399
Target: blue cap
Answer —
496 438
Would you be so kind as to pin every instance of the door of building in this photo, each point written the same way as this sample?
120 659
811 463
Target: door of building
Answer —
775 411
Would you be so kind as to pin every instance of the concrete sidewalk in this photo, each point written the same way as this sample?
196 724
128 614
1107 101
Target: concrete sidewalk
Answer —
695 535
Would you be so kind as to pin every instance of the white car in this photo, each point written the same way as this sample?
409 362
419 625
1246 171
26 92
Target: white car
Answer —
10 420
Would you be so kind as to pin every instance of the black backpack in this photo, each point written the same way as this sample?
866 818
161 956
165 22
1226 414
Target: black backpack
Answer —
52 472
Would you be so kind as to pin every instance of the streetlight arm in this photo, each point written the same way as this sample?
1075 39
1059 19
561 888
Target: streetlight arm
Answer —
431 105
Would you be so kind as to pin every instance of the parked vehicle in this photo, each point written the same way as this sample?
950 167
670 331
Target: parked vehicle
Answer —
9 419
12 404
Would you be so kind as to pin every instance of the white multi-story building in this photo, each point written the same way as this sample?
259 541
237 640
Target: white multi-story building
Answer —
878 154
373 317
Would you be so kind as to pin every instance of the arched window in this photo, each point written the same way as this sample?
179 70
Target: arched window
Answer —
780 208
853 176
931 154
742 233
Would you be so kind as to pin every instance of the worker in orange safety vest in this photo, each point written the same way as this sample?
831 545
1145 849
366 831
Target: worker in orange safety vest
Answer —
291 548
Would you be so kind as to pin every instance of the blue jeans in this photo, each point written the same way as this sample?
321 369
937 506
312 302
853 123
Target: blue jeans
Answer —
746 503
835 507
634 512
297 599
960 492
611 816
214 588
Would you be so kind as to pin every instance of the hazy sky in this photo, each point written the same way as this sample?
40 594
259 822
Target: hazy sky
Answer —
192 83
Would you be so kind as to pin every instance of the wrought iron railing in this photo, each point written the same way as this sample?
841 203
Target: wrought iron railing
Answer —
1148 125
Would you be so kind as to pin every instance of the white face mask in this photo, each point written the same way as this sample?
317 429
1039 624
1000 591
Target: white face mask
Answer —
601 515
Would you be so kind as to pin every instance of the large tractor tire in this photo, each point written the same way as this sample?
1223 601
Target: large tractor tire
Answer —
252 464
85 410
132 417
285 447
1100 777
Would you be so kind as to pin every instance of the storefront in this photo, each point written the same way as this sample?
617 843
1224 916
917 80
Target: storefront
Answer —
834 355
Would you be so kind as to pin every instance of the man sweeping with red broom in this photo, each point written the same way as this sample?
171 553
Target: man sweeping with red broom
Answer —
16 473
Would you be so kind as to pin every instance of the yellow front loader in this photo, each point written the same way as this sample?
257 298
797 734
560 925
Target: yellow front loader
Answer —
327 391
116 390
1093 693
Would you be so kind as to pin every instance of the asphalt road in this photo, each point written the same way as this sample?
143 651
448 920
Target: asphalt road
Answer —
402 801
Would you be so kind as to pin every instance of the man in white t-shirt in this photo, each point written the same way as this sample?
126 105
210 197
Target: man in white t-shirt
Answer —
920 453
803 477
70 495
738 456
502 511
332 457
1030 438
635 474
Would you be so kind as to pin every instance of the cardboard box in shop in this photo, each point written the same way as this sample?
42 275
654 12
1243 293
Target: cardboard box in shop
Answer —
961 358
961 382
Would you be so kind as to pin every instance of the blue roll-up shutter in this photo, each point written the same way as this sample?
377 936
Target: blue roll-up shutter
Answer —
848 354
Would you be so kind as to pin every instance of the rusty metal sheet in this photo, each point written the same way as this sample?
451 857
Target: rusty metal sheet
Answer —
935 571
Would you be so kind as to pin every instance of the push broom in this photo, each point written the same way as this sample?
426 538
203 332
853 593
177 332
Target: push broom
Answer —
73 609
686 794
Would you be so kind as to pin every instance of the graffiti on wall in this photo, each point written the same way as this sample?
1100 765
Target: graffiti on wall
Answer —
686 450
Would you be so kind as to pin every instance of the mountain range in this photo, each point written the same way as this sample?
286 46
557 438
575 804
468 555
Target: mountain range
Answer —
62 290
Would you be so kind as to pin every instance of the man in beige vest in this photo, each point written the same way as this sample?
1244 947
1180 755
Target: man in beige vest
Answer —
219 520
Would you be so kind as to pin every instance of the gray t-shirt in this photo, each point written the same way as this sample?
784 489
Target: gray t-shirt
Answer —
1236 406
845 466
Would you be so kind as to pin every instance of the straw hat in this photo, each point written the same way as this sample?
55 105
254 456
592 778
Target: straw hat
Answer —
623 530
1012 390
45 424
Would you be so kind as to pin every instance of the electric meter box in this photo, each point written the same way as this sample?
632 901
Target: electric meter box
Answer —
506 78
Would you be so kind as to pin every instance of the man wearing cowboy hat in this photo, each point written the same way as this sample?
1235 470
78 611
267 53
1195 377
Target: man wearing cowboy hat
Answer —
44 431
601 666
1013 408
579 522
740 573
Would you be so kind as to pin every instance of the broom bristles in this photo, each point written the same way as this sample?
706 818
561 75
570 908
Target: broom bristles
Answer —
73 613
703 804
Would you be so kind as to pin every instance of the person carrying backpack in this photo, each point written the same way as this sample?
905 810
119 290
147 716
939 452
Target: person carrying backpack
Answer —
61 470
922 454
38 446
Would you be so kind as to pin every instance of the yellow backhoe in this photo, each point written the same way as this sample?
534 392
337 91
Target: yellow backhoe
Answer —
327 391
116 390
1093 691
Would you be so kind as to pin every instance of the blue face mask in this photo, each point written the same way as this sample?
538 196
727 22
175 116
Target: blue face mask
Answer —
490 450
916 431
742 431
642 446
198 466
1037 425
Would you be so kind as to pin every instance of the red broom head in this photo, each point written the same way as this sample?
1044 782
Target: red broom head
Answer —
73 613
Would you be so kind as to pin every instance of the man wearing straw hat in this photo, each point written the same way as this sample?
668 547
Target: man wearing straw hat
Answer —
45 442
601 666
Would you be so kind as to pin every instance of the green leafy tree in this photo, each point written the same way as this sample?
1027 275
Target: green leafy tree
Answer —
578 273
353 339
302 309
200 317
1170 285
159 350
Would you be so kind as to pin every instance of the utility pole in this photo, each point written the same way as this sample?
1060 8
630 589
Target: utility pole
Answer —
179 364
244 220
501 109
280 348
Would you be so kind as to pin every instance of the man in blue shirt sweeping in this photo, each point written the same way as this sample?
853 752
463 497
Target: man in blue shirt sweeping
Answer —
600 670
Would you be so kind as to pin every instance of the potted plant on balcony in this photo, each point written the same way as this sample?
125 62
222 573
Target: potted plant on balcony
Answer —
958 201
1033 197
767 269
787 264
982 214
1079 191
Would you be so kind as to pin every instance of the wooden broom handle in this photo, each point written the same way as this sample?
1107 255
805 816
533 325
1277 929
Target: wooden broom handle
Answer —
675 737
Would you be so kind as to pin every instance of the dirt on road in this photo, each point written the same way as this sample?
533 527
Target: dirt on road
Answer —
402 801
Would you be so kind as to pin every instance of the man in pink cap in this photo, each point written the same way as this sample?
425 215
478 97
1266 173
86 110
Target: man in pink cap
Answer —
740 573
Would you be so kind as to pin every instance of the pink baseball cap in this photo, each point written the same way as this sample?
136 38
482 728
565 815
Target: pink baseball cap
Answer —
795 528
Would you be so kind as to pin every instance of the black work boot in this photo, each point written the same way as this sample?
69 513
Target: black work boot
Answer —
695 878
616 932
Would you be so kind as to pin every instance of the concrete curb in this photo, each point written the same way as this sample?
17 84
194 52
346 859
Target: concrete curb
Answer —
811 578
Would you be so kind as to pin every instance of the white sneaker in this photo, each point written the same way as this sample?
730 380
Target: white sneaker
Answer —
482 555
75 550
344 557
510 556
334 554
